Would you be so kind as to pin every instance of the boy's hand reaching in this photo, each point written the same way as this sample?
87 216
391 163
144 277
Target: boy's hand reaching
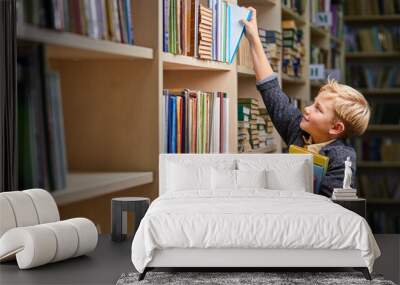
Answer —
261 66
251 30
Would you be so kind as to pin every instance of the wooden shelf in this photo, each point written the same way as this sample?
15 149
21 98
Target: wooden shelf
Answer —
244 71
73 46
369 18
383 201
378 164
182 62
267 149
257 2
380 91
363 55
81 186
383 128
318 31
316 83
289 14
292 80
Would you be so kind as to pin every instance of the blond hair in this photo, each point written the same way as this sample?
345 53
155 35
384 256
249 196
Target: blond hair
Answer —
350 107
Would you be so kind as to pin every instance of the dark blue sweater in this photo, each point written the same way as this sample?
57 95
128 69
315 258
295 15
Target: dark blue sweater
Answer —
286 119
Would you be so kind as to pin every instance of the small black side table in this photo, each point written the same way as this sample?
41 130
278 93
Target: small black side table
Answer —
358 206
119 207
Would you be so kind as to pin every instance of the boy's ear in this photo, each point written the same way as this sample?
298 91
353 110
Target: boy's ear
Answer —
337 128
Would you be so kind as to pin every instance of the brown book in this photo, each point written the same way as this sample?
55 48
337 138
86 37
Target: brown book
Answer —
204 43
289 24
188 36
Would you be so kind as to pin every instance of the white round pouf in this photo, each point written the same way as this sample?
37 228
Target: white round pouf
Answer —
7 218
45 205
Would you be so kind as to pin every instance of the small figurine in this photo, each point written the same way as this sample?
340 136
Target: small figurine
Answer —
347 174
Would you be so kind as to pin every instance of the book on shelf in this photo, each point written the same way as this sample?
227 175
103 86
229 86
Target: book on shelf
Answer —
272 44
379 185
257 131
337 20
41 149
210 30
381 7
320 164
98 19
296 6
370 75
375 38
381 149
293 49
195 121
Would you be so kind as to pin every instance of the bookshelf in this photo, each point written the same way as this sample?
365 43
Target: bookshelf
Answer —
372 55
380 167
369 18
112 101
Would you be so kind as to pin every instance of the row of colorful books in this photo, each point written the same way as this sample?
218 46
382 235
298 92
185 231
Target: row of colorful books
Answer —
379 185
293 49
372 39
99 19
255 129
376 7
368 75
377 149
382 222
272 44
41 147
195 121
206 29
248 112
337 20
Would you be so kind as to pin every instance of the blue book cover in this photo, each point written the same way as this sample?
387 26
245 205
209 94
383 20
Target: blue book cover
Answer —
169 114
318 174
237 14
128 17
173 131
166 25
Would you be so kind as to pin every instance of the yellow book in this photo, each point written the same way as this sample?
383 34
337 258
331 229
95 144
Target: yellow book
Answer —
318 159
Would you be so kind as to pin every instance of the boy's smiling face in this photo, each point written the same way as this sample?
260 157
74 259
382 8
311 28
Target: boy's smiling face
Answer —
319 119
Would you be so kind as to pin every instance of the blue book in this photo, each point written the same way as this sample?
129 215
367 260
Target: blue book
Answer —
173 130
318 174
169 146
128 17
237 14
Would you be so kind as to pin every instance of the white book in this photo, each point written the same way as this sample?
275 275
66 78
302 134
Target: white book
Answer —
226 124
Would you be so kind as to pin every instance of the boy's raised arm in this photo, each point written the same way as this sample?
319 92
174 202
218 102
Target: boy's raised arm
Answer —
285 117
262 68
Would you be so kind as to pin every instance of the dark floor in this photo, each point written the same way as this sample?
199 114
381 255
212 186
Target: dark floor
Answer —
110 260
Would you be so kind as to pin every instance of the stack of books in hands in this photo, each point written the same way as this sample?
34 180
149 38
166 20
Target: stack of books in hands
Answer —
344 194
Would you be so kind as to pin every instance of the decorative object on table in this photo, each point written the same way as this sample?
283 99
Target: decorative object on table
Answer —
119 208
358 205
345 193
248 278
31 231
